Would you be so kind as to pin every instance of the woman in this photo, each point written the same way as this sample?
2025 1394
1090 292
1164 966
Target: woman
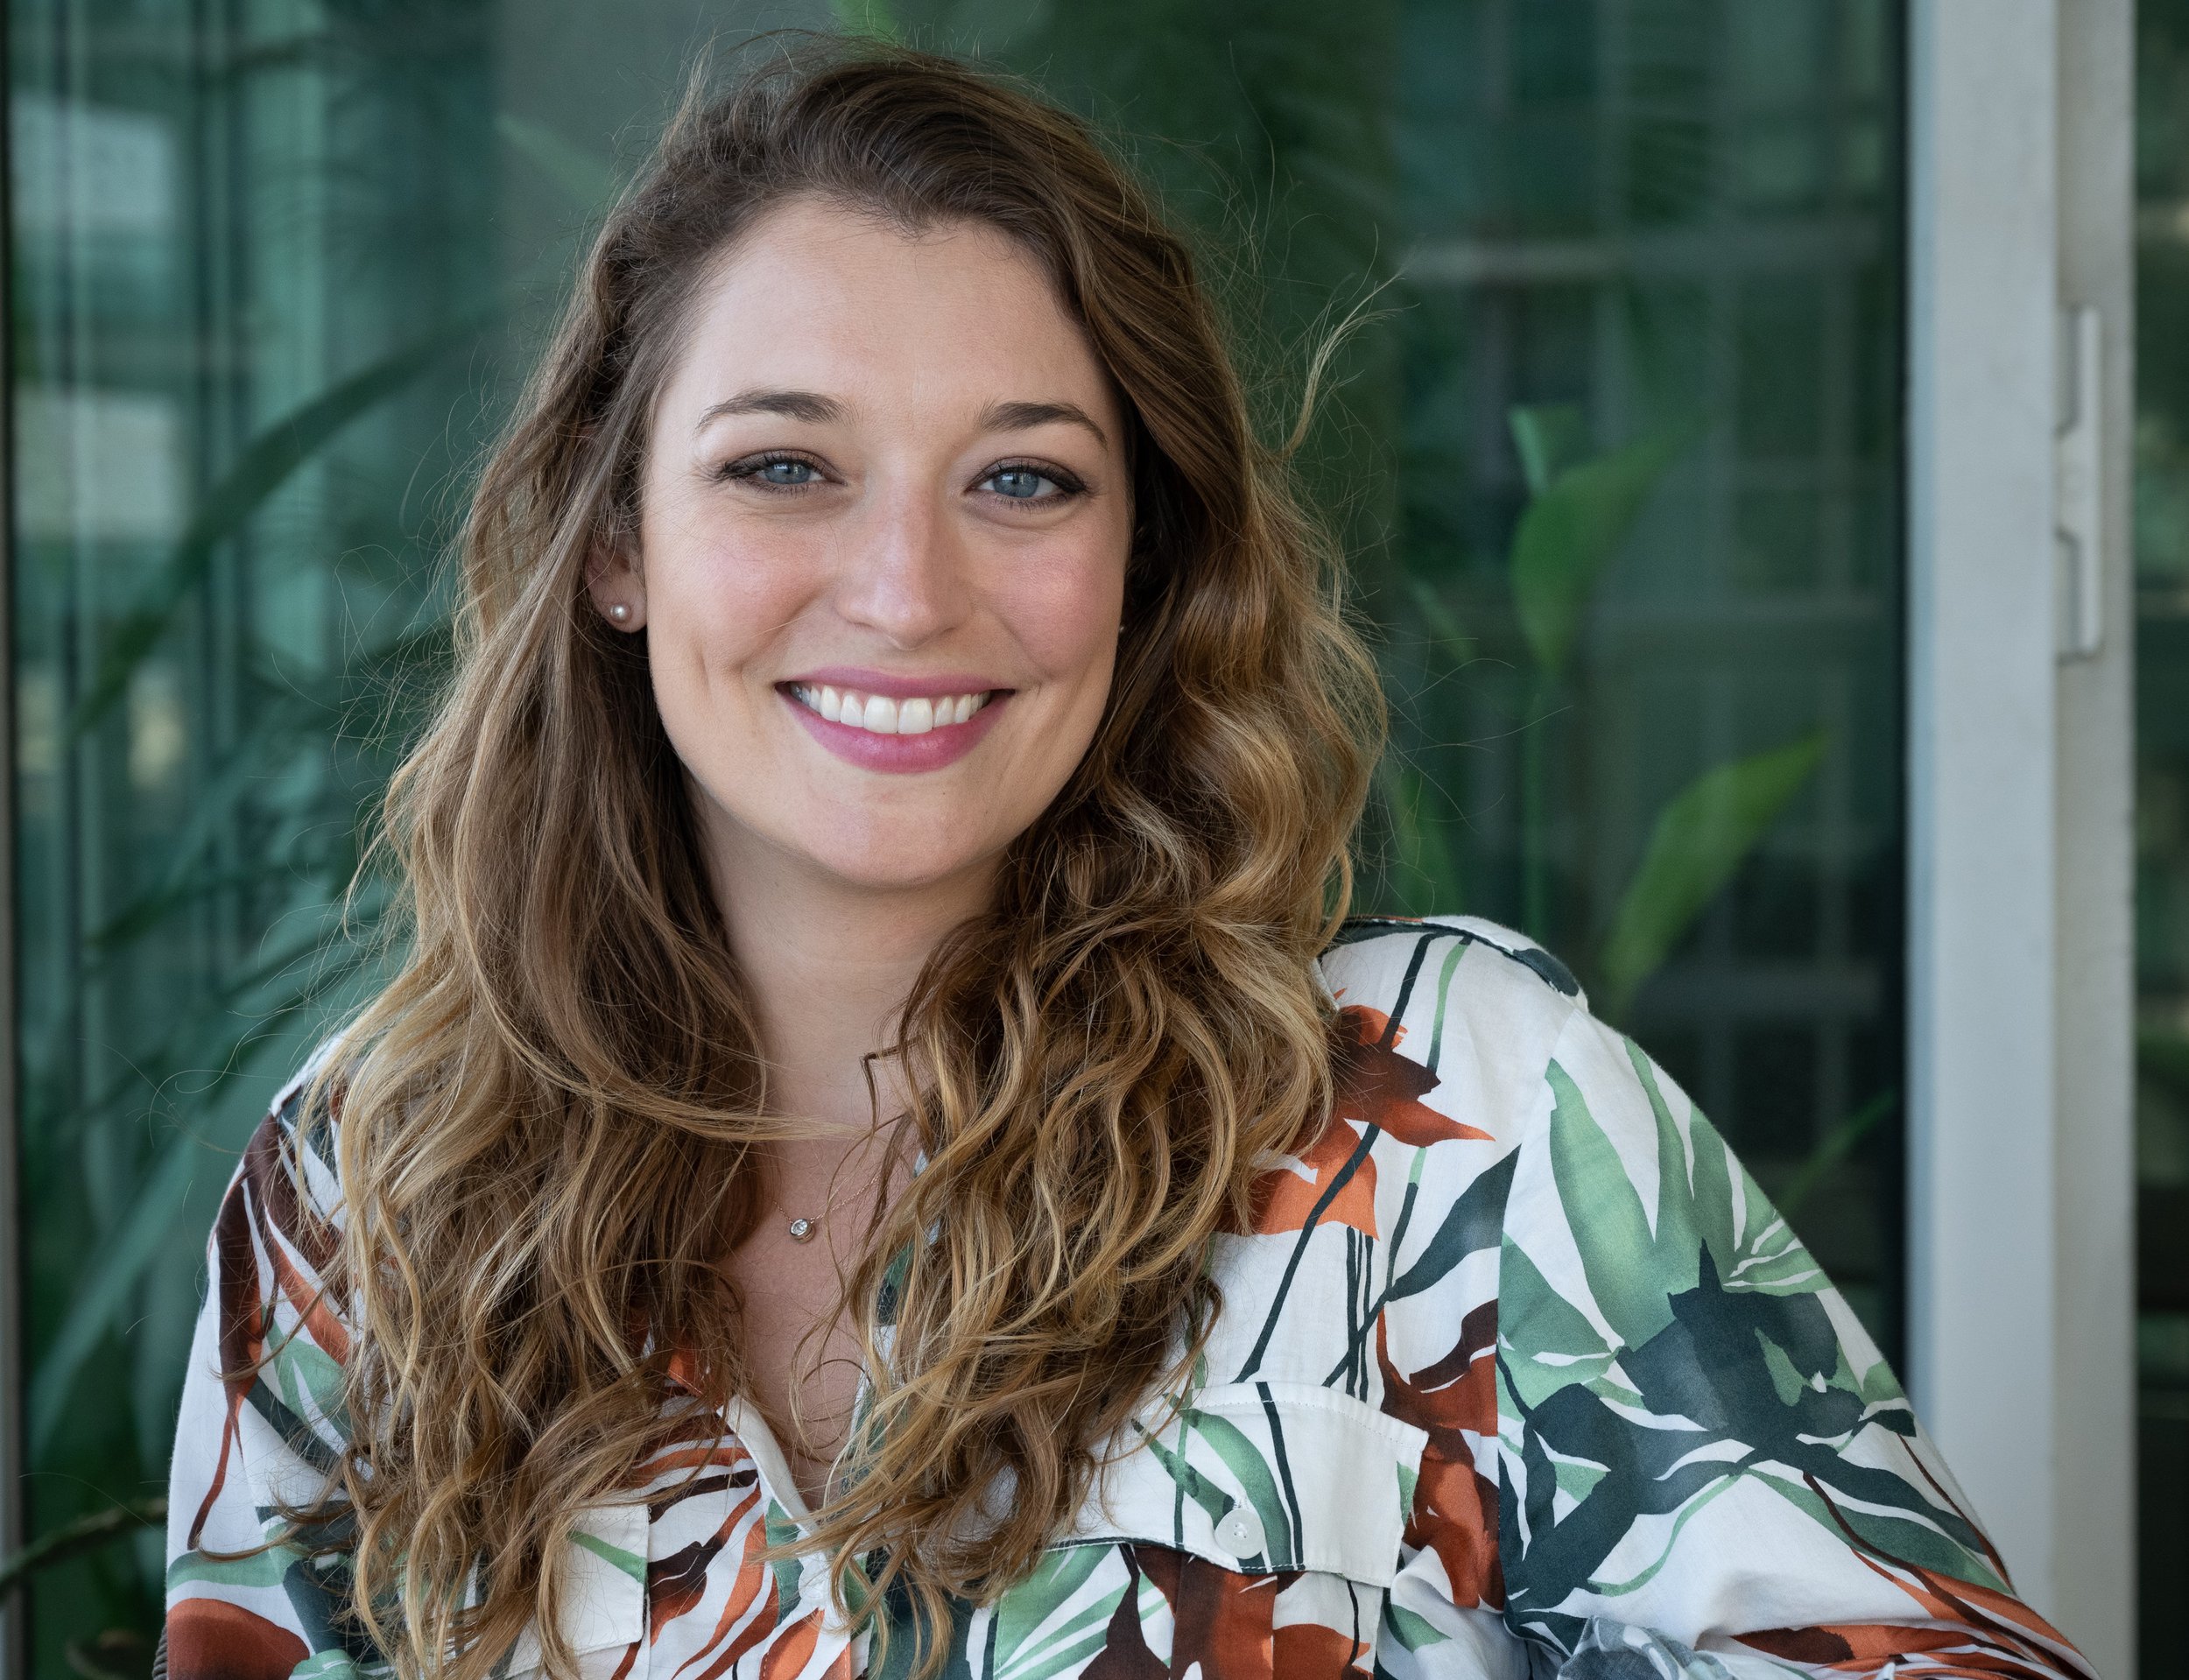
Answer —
884 1157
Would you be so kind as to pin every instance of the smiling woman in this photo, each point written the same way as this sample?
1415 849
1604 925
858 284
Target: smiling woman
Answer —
886 1153
866 560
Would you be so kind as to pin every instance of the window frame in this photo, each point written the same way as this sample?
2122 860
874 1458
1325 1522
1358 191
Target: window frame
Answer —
2020 795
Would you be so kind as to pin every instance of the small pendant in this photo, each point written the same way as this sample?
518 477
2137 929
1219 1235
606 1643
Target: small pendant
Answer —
802 1230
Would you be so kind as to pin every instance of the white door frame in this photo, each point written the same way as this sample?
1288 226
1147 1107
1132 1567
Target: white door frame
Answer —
2020 1291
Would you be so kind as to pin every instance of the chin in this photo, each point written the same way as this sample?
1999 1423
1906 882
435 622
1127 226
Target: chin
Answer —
885 863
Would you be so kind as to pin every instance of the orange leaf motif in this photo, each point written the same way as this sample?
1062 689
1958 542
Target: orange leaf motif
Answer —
1285 1196
1455 1506
1378 1086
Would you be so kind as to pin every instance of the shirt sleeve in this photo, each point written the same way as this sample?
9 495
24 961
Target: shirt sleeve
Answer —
1701 1464
259 1429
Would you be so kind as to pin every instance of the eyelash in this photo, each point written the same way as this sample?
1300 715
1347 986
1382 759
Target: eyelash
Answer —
750 467
1068 485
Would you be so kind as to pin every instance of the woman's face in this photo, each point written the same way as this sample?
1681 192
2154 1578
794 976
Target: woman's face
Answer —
882 548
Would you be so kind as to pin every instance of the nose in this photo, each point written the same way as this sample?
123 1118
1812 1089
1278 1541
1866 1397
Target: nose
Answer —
903 573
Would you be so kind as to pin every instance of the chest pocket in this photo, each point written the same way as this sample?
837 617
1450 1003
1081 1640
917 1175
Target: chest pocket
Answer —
1262 1477
603 1610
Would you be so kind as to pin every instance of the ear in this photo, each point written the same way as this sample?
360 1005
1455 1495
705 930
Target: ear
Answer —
616 585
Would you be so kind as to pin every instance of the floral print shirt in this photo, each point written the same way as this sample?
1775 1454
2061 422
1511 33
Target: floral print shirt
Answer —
1517 1373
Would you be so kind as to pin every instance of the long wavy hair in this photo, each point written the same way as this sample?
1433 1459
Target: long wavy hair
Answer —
553 1121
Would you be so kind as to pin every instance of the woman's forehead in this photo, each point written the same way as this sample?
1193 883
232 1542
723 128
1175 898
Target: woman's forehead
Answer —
862 310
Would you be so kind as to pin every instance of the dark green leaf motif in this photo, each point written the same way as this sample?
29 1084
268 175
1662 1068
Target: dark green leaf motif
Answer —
1722 1337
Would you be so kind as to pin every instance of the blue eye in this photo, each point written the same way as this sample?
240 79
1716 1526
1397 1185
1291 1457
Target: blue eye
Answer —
786 471
1020 483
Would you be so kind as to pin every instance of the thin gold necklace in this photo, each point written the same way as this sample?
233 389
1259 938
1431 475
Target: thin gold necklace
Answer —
804 1226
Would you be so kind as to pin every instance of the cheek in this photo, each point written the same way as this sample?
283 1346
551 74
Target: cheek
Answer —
715 596
1064 612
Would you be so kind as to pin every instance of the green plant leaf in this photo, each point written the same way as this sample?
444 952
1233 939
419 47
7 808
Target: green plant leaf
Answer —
264 466
1550 437
72 1540
1699 839
1572 531
112 1281
1834 1148
587 179
1445 629
866 17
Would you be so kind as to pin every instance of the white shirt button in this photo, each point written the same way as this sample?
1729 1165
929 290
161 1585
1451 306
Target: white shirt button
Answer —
1240 1532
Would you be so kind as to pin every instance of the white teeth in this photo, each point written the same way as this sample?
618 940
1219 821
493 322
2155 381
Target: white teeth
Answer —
884 716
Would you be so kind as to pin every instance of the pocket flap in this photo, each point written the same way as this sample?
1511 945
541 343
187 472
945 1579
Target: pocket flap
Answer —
604 1588
1258 1477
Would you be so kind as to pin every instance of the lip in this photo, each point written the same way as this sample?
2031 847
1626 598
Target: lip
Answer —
897 754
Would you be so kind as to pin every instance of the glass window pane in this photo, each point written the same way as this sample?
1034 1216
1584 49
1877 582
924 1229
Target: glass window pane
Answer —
1621 465
1618 458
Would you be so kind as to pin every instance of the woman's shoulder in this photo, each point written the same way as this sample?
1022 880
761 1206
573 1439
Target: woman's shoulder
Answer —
1463 998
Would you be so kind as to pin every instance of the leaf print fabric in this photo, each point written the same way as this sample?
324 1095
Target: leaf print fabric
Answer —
1518 1371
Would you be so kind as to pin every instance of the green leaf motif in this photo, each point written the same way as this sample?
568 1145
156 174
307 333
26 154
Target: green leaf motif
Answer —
1190 1482
268 1568
781 1531
1544 1335
1786 1382
630 1562
1255 1479
326 1665
1912 1539
1476 1221
308 1382
1700 837
1038 1633
1412 1631
1632 1269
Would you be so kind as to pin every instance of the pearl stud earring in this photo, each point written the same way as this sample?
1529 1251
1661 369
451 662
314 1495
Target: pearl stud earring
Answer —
620 612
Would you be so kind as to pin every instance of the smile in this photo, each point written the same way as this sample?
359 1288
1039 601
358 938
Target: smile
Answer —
881 716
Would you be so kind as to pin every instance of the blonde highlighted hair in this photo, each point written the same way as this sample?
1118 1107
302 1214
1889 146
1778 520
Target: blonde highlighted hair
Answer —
551 1120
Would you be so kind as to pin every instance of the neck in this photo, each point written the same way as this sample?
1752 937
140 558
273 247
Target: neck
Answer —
828 965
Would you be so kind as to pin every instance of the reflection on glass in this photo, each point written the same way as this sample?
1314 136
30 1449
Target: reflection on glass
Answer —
1615 450
2162 822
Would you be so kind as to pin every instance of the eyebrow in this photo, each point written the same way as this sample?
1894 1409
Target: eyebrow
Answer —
808 406
816 409
1023 417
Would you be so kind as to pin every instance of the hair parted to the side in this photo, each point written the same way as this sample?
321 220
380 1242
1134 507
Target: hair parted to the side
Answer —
548 1119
